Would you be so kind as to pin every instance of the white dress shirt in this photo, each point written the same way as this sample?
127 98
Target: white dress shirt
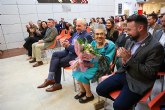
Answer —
162 39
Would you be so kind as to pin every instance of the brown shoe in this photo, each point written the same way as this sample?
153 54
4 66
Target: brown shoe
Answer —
32 61
46 83
39 63
54 88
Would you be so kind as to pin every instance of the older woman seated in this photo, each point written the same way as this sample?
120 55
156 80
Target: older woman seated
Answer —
105 48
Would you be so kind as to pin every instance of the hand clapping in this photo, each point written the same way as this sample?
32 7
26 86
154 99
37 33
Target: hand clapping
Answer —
124 54
65 43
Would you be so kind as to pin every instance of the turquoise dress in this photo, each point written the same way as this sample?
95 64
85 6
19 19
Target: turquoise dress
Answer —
108 50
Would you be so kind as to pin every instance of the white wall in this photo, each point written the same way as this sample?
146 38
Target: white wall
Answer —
15 14
150 7
130 5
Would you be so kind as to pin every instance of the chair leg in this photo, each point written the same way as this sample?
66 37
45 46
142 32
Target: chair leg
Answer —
63 74
74 82
162 80
150 98
44 55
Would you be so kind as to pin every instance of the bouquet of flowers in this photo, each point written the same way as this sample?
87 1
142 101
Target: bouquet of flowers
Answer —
85 53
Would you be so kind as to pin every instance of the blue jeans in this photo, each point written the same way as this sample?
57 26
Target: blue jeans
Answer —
59 59
126 99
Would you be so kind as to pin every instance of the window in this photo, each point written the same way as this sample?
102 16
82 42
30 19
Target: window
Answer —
119 8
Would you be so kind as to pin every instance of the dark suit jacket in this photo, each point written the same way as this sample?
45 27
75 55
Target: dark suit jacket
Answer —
141 69
62 25
158 34
157 27
121 40
112 37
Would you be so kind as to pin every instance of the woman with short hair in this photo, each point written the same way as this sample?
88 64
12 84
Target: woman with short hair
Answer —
105 48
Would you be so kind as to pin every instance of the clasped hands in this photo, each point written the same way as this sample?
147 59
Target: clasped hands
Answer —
65 43
124 54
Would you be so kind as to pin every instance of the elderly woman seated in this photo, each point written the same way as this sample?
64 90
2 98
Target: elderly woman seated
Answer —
105 48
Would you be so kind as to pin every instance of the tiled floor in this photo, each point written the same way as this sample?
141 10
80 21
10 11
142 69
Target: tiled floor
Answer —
18 89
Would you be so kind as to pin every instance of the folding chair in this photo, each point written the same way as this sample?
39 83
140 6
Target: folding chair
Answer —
162 74
50 48
156 102
74 82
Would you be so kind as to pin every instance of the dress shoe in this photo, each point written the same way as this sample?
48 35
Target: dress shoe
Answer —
86 99
54 88
32 61
39 63
80 95
46 83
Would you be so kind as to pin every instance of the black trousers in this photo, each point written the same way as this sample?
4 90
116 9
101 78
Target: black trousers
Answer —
28 44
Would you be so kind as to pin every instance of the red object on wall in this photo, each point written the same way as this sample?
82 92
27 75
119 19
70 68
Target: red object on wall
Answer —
140 12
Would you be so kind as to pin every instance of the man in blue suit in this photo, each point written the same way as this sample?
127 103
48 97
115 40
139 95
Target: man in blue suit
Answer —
62 58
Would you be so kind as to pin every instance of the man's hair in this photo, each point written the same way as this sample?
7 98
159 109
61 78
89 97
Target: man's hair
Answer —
138 19
83 21
50 19
154 16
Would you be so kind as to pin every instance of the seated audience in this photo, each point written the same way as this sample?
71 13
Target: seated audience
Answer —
39 24
30 26
92 24
48 40
41 32
112 34
141 59
29 41
121 40
74 24
70 29
160 36
62 58
62 24
121 21
152 25
105 48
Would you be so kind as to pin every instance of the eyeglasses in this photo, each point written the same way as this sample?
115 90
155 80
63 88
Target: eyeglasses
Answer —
97 34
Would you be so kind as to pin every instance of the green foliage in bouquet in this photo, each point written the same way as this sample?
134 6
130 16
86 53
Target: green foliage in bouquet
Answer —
103 69
86 47
103 64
